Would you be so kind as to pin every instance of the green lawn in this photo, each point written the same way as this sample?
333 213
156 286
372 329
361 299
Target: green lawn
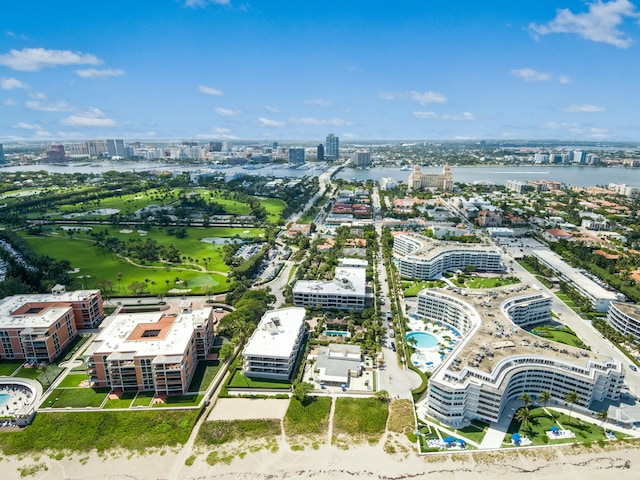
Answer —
76 397
7 367
101 431
123 402
411 289
44 377
102 265
204 375
570 303
360 417
274 207
73 380
180 401
143 399
474 432
308 418
482 282
560 334
541 423
240 381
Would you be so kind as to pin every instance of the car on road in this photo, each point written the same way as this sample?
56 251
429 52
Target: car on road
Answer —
393 346
633 367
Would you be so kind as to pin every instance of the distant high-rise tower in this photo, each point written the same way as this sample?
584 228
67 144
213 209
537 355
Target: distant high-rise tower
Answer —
332 150
296 156
320 153
116 148
361 158
215 146
1 153
55 153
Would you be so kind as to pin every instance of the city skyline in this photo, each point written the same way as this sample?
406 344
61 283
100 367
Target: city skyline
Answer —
231 70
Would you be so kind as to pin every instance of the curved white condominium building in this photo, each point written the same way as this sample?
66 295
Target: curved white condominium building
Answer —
497 361
625 318
423 258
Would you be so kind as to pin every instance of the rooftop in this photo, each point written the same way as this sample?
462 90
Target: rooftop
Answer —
276 334
149 334
347 281
497 338
428 247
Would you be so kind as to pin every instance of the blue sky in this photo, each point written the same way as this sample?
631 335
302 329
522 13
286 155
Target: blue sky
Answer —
285 69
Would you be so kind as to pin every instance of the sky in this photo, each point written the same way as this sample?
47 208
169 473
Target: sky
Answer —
72 70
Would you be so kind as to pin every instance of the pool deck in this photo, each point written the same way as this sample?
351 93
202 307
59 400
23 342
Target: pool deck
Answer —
422 356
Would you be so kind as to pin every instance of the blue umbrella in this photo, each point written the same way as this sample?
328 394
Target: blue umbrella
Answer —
515 437
554 428
449 440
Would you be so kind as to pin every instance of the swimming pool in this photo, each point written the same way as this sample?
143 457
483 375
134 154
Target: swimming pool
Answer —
4 398
336 333
423 339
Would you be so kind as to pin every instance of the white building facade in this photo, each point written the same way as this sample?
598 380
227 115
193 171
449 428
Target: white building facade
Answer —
272 351
497 361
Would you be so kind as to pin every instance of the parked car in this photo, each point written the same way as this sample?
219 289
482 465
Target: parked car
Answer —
633 367
393 346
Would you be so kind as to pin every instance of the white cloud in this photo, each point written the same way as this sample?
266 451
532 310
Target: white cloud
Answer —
318 102
424 98
598 133
335 122
95 73
557 125
33 59
564 79
583 108
89 118
227 112
27 126
10 102
221 131
267 122
530 75
209 90
48 107
272 109
466 116
38 95
599 24
11 84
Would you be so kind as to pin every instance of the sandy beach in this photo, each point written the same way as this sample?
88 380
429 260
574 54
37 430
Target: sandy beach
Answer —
621 461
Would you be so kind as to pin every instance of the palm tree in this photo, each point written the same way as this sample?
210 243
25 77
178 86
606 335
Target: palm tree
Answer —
544 398
523 415
571 398
602 415
526 399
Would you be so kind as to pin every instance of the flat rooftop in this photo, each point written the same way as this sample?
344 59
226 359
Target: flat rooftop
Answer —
17 312
429 247
149 334
498 338
630 309
573 275
346 281
276 334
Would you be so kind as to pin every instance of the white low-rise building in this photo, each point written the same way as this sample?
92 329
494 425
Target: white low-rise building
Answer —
497 361
272 351
599 296
347 291
423 258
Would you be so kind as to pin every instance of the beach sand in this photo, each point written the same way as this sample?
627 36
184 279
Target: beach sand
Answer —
621 461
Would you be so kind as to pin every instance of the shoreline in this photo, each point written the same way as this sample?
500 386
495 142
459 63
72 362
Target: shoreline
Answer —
357 462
